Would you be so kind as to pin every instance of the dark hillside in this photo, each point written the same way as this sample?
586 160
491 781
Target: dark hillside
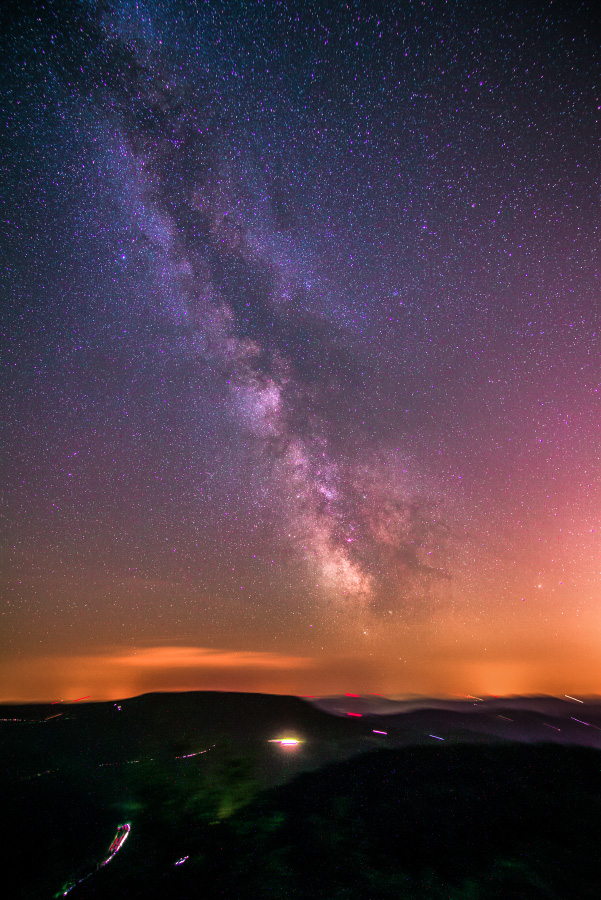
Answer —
459 823
70 773
92 734
192 774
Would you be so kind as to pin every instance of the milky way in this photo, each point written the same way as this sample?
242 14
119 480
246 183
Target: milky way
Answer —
302 330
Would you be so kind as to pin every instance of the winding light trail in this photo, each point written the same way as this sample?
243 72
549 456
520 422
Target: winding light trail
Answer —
118 841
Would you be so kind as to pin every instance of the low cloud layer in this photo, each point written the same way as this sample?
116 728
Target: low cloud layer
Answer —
123 673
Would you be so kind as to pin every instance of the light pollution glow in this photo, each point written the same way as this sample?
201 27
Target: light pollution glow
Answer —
444 664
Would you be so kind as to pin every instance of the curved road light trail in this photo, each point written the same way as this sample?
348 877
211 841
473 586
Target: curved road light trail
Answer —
120 838
118 841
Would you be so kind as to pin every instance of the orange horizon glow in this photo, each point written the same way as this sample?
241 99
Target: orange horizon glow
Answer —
127 672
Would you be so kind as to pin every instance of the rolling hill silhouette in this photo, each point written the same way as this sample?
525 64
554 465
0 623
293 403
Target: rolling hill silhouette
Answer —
491 797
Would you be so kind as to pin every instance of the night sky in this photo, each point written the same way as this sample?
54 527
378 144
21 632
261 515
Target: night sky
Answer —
300 348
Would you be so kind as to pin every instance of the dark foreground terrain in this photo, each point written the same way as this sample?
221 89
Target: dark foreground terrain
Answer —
183 796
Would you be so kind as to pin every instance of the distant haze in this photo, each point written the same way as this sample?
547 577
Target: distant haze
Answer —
114 675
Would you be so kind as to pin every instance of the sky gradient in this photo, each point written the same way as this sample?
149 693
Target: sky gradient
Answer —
300 342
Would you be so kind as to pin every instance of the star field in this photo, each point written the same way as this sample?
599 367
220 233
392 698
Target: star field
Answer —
301 346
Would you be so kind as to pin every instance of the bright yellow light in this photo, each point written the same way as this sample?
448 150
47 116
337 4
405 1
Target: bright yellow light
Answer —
285 742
